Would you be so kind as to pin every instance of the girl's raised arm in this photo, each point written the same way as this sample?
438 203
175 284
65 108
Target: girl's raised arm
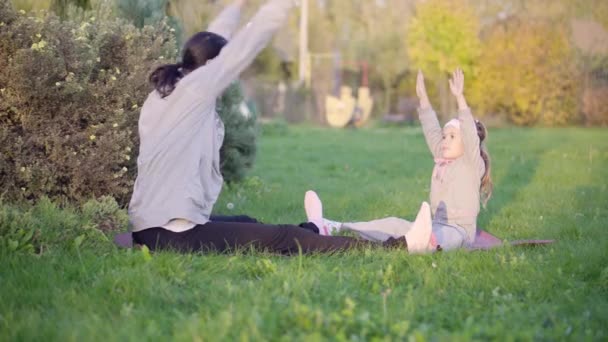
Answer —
468 128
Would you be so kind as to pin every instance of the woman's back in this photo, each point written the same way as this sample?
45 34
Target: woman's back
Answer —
180 132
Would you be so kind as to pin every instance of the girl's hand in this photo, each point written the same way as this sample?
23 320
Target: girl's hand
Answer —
457 82
457 88
421 91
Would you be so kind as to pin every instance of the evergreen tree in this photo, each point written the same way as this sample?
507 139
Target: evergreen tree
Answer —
142 12
237 154
61 6
149 12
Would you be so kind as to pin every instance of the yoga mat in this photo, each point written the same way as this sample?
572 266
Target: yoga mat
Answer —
124 240
483 241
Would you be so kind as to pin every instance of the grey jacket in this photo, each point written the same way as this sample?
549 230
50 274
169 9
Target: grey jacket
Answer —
455 185
181 135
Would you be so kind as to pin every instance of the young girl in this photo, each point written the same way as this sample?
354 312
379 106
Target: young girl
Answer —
179 177
460 181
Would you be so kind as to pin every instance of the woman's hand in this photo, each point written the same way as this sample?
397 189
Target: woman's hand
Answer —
421 91
457 88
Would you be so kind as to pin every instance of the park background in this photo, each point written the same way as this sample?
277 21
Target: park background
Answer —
73 76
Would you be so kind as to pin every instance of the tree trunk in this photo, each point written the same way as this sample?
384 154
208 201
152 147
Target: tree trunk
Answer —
444 99
388 94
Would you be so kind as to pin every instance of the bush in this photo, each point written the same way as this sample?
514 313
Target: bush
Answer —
46 227
69 101
528 74
18 231
70 95
105 214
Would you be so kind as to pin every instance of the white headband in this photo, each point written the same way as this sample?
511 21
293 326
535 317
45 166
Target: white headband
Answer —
454 123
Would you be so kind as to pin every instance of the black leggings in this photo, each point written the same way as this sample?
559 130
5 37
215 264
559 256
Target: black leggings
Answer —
244 232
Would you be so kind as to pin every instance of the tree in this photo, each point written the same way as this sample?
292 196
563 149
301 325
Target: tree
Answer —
142 12
527 72
31 5
61 6
238 151
443 35
354 32
378 37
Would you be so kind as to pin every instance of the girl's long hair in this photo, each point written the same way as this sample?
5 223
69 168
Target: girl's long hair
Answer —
197 51
486 180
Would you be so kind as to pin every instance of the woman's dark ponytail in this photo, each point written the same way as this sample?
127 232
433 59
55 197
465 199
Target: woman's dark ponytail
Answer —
165 77
198 50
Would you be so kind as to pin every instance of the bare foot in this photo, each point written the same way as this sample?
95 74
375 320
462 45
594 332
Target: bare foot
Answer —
433 243
419 236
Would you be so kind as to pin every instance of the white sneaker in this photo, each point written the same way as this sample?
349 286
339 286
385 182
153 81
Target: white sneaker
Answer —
314 211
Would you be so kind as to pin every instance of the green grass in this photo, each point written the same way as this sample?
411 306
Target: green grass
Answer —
549 183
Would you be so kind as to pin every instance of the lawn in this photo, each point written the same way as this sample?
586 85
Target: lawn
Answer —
549 183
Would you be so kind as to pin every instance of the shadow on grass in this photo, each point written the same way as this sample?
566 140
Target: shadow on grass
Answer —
584 238
589 217
520 172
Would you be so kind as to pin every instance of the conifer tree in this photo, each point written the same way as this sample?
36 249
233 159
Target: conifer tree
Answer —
237 154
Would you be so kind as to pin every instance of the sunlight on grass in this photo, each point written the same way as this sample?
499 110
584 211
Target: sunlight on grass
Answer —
549 184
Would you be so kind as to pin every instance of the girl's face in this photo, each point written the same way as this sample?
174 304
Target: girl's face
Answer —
452 146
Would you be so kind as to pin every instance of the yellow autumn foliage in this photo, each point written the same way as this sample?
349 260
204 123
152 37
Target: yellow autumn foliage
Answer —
527 73
31 5
443 36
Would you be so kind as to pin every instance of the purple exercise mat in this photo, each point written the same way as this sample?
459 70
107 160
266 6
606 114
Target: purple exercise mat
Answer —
124 240
483 241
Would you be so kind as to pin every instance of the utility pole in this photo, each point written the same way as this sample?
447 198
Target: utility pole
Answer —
304 69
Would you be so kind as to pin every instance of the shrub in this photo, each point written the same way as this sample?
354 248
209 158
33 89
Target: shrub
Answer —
106 214
46 227
18 231
70 94
69 100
